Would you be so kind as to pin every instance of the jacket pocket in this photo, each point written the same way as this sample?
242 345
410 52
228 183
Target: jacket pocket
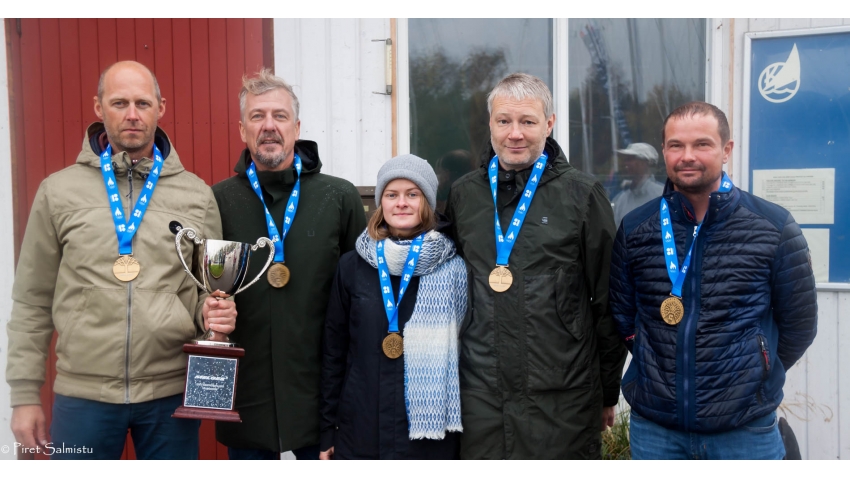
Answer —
764 351
568 302
557 355
161 324
92 338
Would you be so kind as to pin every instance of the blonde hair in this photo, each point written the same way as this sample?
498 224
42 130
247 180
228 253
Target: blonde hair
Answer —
378 229
264 82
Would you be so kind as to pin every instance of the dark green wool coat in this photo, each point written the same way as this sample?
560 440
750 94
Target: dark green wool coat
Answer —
277 392
539 360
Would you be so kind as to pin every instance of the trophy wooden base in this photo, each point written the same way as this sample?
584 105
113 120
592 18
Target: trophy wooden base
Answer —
207 414
210 383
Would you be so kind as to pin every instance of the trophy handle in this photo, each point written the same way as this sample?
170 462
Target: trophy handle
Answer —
261 242
191 234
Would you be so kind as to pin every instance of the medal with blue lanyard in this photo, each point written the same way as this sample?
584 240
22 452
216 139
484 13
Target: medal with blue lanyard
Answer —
672 310
278 274
501 278
393 345
127 268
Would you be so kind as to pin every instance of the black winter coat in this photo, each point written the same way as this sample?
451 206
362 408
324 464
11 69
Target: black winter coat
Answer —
750 310
277 391
363 410
538 361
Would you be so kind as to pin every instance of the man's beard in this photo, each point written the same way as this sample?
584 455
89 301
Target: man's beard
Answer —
703 184
130 145
269 160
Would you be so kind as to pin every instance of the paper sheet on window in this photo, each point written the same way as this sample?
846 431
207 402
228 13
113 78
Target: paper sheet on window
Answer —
809 194
818 240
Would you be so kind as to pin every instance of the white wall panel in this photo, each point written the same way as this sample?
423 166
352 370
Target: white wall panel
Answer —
334 67
843 369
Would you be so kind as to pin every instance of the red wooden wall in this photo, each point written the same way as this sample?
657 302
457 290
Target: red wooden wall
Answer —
54 66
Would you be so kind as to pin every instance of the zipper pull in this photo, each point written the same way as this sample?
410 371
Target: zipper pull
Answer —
764 354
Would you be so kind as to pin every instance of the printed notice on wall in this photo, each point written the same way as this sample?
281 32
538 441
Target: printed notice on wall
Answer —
809 194
818 240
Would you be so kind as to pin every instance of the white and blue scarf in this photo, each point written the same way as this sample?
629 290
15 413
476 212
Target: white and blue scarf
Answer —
431 386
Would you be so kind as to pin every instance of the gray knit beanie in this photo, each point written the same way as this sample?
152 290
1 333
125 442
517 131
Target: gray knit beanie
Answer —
413 168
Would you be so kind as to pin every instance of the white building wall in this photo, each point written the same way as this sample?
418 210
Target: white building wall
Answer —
7 250
335 68
817 389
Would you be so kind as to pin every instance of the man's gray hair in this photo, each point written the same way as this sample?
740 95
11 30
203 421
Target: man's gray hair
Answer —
263 82
521 86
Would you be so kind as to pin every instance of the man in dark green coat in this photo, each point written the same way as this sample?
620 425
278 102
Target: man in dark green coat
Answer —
541 360
281 317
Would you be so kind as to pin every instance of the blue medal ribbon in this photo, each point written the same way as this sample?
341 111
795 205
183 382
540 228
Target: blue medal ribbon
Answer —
291 208
391 305
677 276
126 228
505 243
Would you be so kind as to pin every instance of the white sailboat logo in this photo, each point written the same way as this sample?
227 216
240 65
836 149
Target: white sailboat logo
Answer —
780 81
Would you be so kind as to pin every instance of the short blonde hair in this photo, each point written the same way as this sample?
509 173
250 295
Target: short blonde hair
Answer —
263 82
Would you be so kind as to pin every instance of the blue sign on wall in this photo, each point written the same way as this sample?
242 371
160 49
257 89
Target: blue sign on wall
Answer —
799 104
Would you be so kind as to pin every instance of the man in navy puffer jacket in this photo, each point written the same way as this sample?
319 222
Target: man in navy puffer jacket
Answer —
713 292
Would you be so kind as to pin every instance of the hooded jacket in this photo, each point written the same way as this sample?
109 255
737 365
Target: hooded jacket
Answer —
277 390
750 310
538 361
118 342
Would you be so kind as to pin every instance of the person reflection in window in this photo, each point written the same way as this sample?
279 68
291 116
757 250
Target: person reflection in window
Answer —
449 168
639 186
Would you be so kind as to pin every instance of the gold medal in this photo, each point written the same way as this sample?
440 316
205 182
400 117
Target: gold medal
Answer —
278 275
393 345
501 279
672 310
126 268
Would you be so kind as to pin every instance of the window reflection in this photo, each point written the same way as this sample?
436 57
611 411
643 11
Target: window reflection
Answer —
626 75
454 63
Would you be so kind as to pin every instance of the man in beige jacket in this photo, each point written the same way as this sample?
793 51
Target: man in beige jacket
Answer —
98 266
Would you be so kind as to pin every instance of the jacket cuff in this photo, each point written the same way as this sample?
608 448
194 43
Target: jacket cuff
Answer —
25 392
327 439
610 397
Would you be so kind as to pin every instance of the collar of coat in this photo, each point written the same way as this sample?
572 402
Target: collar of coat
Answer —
310 162
556 165
95 142
720 205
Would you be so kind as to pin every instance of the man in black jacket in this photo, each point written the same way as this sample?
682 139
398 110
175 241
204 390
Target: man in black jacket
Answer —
280 193
713 292
540 358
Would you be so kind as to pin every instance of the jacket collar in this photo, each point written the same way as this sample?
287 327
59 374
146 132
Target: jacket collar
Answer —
720 205
310 162
95 142
557 162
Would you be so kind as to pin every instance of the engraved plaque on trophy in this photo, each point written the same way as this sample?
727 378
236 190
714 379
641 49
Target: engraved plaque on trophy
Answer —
213 361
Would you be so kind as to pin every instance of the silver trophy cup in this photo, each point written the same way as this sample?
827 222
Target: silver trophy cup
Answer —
213 362
223 267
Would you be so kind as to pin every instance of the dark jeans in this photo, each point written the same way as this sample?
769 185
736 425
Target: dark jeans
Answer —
304 453
90 430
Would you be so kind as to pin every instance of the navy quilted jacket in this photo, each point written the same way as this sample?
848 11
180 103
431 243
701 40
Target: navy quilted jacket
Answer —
750 311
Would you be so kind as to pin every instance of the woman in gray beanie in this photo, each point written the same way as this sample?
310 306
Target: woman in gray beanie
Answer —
390 350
